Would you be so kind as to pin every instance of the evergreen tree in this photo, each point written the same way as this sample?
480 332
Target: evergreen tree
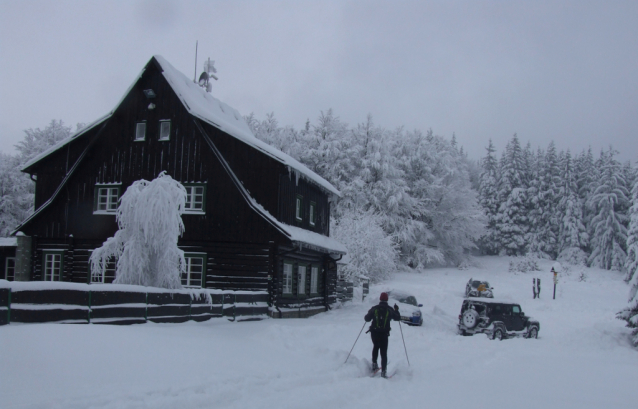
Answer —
609 225
572 236
631 262
535 202
488 198
512 214
630 313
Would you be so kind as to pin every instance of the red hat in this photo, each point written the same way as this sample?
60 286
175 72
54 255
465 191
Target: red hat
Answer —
383 297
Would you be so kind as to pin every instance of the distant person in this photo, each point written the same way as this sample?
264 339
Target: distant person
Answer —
381 315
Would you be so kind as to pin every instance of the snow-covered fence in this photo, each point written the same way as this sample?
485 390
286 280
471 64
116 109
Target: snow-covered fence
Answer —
33 302
5 294
345 290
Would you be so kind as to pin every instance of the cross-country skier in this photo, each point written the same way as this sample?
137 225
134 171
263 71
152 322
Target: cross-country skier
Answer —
381 315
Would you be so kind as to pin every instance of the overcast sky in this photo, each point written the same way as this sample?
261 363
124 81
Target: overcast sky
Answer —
565 71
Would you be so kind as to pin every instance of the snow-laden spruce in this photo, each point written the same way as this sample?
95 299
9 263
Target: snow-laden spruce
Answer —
630 314
609 225
371 252
572 236
145 246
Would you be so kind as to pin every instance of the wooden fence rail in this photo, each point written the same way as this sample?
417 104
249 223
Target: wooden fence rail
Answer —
36 302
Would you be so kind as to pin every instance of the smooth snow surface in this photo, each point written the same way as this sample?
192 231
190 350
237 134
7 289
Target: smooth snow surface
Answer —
582 358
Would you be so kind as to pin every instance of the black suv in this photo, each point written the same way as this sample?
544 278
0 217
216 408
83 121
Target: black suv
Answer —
496 319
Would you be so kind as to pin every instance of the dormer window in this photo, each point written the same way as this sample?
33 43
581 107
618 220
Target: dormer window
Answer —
140 131
165 130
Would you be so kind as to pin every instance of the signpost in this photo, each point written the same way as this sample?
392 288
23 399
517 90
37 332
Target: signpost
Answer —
555 281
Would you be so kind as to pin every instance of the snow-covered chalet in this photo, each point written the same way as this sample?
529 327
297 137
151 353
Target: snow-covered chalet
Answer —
256 219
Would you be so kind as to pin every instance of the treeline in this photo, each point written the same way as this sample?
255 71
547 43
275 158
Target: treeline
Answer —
557 206
407 195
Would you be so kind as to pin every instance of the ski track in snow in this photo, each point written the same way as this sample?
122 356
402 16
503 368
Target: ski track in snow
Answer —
582 358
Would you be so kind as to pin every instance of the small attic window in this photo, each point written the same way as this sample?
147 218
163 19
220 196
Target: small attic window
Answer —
165 130
140 131
149 93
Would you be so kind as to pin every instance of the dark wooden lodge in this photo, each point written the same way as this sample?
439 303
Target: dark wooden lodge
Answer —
256 219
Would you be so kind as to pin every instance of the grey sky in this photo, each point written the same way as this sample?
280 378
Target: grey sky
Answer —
548 70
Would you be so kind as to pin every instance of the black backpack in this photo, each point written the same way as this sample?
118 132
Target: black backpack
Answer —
381 320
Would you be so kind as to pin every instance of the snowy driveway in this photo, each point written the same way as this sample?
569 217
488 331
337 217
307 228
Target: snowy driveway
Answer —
582 358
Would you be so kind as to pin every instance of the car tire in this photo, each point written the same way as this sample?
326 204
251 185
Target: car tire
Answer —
470 319
533 333
498 333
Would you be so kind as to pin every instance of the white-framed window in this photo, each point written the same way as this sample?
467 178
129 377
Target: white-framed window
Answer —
195 268
195 198
287 279
140 131
299 208
106 198
10 269
314 280
313 213
52 265
107 276
165 130
301 283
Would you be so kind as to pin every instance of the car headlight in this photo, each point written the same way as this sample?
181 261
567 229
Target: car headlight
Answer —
416 314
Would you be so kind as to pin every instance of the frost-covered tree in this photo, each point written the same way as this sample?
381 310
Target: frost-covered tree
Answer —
16 189
488 198
630 313
38 140
609 224
16 194
145 245
417 184
512 214
371 251
586 177
572 236
535 203
631 262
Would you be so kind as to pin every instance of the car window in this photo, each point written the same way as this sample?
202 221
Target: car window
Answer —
475 284
409 299
516 309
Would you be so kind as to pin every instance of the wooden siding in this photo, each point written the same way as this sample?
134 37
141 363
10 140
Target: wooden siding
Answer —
289 189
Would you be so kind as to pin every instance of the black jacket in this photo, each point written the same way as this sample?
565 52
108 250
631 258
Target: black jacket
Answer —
381 315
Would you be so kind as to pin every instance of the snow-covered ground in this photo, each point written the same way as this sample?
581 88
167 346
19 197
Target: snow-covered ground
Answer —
582 358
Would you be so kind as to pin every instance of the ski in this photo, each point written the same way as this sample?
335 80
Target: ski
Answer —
374 373
391 375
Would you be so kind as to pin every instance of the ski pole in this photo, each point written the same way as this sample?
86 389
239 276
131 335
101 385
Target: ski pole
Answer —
406 350
355 343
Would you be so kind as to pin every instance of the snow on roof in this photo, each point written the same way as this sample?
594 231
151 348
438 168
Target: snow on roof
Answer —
8 242
314 240
204 106
65 141
300 236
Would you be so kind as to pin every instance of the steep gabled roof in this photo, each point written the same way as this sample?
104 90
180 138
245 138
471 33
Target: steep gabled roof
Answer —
204 106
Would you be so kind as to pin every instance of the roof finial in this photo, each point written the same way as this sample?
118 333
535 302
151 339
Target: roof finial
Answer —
209 71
